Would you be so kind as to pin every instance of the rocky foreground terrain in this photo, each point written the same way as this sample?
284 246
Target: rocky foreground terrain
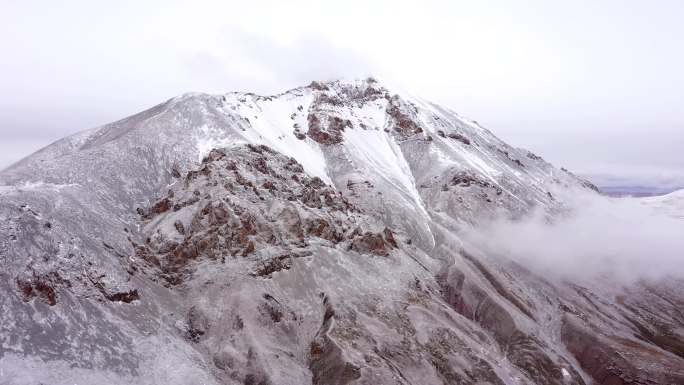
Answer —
310 237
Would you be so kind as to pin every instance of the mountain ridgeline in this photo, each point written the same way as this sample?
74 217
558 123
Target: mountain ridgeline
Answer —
310 237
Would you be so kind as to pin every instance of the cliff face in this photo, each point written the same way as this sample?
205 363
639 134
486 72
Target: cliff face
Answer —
311 237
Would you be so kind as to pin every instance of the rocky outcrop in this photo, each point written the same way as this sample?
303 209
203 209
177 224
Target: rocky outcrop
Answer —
38 286
374 243
328 133
230 218
402 121
460 137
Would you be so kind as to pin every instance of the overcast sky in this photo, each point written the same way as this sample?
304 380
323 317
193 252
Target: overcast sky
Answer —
594 86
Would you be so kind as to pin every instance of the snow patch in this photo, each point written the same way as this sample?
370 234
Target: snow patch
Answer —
377 152
271 122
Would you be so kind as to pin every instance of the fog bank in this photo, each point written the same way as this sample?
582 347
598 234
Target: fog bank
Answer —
626 239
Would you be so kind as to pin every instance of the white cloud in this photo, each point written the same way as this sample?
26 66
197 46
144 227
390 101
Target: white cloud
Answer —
624 239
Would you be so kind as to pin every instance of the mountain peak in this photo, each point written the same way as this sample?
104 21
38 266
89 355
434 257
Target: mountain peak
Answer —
345 83
296 238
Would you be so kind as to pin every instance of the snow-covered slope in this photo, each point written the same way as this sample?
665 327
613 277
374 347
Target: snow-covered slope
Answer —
672 203
310 237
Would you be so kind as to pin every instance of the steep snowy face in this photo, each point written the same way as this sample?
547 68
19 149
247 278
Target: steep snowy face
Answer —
310 237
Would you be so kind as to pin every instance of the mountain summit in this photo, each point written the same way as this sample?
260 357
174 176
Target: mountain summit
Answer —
309 237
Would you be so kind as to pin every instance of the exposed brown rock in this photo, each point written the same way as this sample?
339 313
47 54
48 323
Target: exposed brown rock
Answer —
242 180
261 166
322 229
214 155
45 292
372 243
311 197
332 134
510 158
279 263
269 185
123 296
327 99
248 249
25 289
161 206
294 166
459 137
403 123
219 227
126 296
372 93
41 286
337 124
466 179
318 86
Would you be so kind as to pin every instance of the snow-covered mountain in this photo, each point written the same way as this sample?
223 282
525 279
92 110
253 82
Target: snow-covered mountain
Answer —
310 237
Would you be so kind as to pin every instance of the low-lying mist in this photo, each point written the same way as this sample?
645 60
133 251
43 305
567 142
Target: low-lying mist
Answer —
625 239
